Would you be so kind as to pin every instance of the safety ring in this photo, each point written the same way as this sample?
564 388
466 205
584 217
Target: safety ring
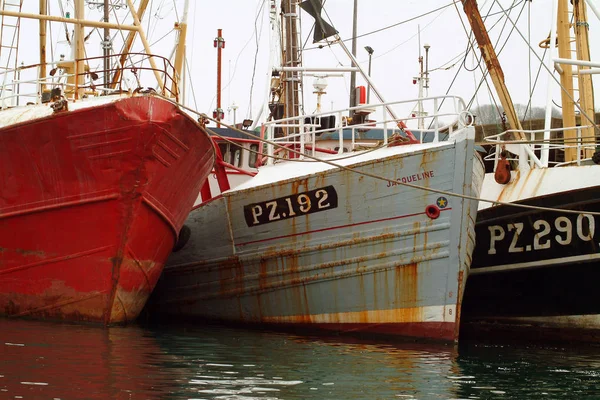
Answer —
466 118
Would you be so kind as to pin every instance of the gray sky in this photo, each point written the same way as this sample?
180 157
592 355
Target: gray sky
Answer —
396 49
394 63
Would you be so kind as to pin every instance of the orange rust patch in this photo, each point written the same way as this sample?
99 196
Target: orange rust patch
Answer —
127 305
398 315
58 302
407 288
263 274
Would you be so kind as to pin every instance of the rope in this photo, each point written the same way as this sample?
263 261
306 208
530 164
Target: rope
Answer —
381 178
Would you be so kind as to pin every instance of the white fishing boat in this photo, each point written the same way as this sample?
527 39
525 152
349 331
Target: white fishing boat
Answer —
375 241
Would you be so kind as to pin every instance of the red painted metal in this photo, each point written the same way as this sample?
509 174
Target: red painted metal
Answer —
221 173
361 95
234 168
320 149
91 204
432 211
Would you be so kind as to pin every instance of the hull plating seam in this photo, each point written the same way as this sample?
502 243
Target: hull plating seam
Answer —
157 207
332 264
56 305
53 260
336 227
281 285
198 265
64 204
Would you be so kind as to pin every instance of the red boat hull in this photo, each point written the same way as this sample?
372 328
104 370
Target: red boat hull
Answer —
91 203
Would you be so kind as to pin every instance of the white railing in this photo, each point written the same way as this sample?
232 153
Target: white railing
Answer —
302 133
24 91
504 141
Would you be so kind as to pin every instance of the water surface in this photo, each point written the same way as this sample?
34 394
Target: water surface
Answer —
41 360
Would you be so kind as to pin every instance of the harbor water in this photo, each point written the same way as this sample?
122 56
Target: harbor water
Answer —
41 360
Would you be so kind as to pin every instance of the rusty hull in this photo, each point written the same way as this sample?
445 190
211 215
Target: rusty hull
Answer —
91 203
376 263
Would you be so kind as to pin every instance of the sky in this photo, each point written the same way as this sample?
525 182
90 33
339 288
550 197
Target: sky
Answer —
397 30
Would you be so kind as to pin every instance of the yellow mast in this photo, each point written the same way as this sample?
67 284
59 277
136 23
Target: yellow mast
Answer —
586 93
180 53
75 21
43 11
138 24
128 43
78 47
493 66
566 77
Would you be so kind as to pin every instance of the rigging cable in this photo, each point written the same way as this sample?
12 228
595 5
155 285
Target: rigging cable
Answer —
368 174
486 73
237 58
479 63
257 37
582 112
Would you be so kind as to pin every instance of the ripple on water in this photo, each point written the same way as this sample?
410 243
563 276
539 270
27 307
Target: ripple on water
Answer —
58 361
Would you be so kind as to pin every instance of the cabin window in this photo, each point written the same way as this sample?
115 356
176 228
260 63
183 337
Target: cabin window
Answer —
224 147
231 153
236 156
345 149
253 155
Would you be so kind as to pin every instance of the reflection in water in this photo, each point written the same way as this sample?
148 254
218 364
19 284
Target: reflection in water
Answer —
63 361
60 361
518 371
242 364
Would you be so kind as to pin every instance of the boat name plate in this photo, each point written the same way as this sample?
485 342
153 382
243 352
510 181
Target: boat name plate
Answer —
291 206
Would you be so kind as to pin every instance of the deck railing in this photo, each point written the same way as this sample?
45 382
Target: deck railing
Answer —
62 76
302 133
535 147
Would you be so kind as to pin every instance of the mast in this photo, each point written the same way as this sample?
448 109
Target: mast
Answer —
353 73
78 48
566 77
291 57
128 43
43 11
106 45
180 53
493 66
219 44
138 24
586 93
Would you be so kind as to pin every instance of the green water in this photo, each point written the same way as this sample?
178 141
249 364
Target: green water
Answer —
60 361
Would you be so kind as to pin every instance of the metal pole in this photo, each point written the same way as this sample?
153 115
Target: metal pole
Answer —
369 50
219 41
106 47
353 74
180 52
78 44
420 104
426 69
43 11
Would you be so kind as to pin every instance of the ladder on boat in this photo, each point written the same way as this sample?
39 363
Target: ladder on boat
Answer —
9 50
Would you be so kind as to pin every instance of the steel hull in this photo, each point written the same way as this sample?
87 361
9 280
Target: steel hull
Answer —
373 263
91 203
540 278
